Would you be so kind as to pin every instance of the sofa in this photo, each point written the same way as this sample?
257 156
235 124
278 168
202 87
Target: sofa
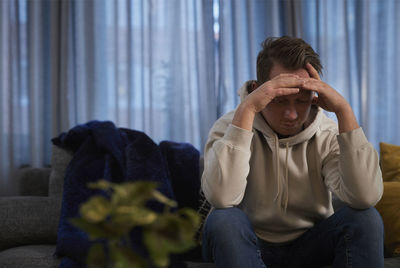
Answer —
29 222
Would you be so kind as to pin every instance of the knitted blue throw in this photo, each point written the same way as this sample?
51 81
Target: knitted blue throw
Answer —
102 151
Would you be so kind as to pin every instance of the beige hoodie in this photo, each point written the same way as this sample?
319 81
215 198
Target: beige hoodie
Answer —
285 185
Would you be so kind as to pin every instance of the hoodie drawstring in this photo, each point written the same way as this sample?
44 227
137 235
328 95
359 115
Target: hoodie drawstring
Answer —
277 169
284 192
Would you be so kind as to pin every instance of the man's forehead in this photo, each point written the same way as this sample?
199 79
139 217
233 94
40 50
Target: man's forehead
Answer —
278 69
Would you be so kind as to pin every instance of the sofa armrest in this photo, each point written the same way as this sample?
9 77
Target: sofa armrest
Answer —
33 181
28 220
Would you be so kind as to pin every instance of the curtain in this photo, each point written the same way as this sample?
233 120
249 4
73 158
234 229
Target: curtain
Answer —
243 26
29 70
171 67
356 40
139 63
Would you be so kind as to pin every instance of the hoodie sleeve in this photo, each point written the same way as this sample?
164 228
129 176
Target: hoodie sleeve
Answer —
226 164
352 170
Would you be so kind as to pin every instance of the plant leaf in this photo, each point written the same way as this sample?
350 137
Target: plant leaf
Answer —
171 233
101 184
163 234
123 257
96 209
96 257
159 253
133 215
94 230
191 215
163 199
137 193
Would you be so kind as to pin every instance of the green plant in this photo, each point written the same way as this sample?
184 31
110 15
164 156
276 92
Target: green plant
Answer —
111 218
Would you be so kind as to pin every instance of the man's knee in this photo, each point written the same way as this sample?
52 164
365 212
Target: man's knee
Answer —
368 221
227 223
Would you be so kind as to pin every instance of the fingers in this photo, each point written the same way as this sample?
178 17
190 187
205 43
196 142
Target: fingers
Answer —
285 74
312 72
286 91
313 85
281 85
286 81
282 76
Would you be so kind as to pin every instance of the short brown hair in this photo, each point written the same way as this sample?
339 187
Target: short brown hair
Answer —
292 53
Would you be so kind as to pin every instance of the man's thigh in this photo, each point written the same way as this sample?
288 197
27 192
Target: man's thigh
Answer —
315 248
342 239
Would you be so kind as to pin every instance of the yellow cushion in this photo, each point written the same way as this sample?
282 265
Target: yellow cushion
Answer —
390 161
389 208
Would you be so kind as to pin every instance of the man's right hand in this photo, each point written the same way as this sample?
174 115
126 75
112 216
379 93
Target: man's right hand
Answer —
283 84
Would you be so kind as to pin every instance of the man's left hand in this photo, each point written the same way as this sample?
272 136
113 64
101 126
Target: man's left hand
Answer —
330 100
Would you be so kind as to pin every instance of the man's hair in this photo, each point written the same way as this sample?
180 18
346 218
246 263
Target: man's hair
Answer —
292 53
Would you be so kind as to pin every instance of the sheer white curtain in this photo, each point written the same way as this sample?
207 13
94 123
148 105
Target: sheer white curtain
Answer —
154 65
357 41
29 71
244 25
143 64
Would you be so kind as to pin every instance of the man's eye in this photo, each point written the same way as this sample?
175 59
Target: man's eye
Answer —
303 101
279 101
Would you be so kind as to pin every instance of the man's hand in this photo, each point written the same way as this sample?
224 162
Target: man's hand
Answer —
283 84
330 100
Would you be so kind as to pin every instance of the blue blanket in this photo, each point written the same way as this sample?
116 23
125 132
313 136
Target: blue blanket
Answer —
103 151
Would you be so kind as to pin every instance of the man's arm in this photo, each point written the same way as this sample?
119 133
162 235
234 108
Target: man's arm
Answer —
351 170
226 163
283 84
330 100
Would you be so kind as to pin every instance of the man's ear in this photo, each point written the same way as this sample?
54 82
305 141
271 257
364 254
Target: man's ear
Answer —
254 85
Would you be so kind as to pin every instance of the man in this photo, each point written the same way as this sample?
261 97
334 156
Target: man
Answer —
272 164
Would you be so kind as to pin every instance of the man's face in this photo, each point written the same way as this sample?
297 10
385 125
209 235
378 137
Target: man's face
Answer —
286 115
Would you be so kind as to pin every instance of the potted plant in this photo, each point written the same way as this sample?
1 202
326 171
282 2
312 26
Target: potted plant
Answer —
109 218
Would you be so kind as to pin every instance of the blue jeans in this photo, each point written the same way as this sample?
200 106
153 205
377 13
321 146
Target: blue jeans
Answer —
349 238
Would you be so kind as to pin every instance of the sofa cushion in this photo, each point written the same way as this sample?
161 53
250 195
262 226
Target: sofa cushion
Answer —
389 205
35 256
390 161
389 208
59 161
28 220
392 262
33 181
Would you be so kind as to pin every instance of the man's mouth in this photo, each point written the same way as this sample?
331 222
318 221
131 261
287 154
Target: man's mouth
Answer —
289 124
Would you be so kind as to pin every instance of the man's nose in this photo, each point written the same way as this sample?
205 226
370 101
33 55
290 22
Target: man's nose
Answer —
290 113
